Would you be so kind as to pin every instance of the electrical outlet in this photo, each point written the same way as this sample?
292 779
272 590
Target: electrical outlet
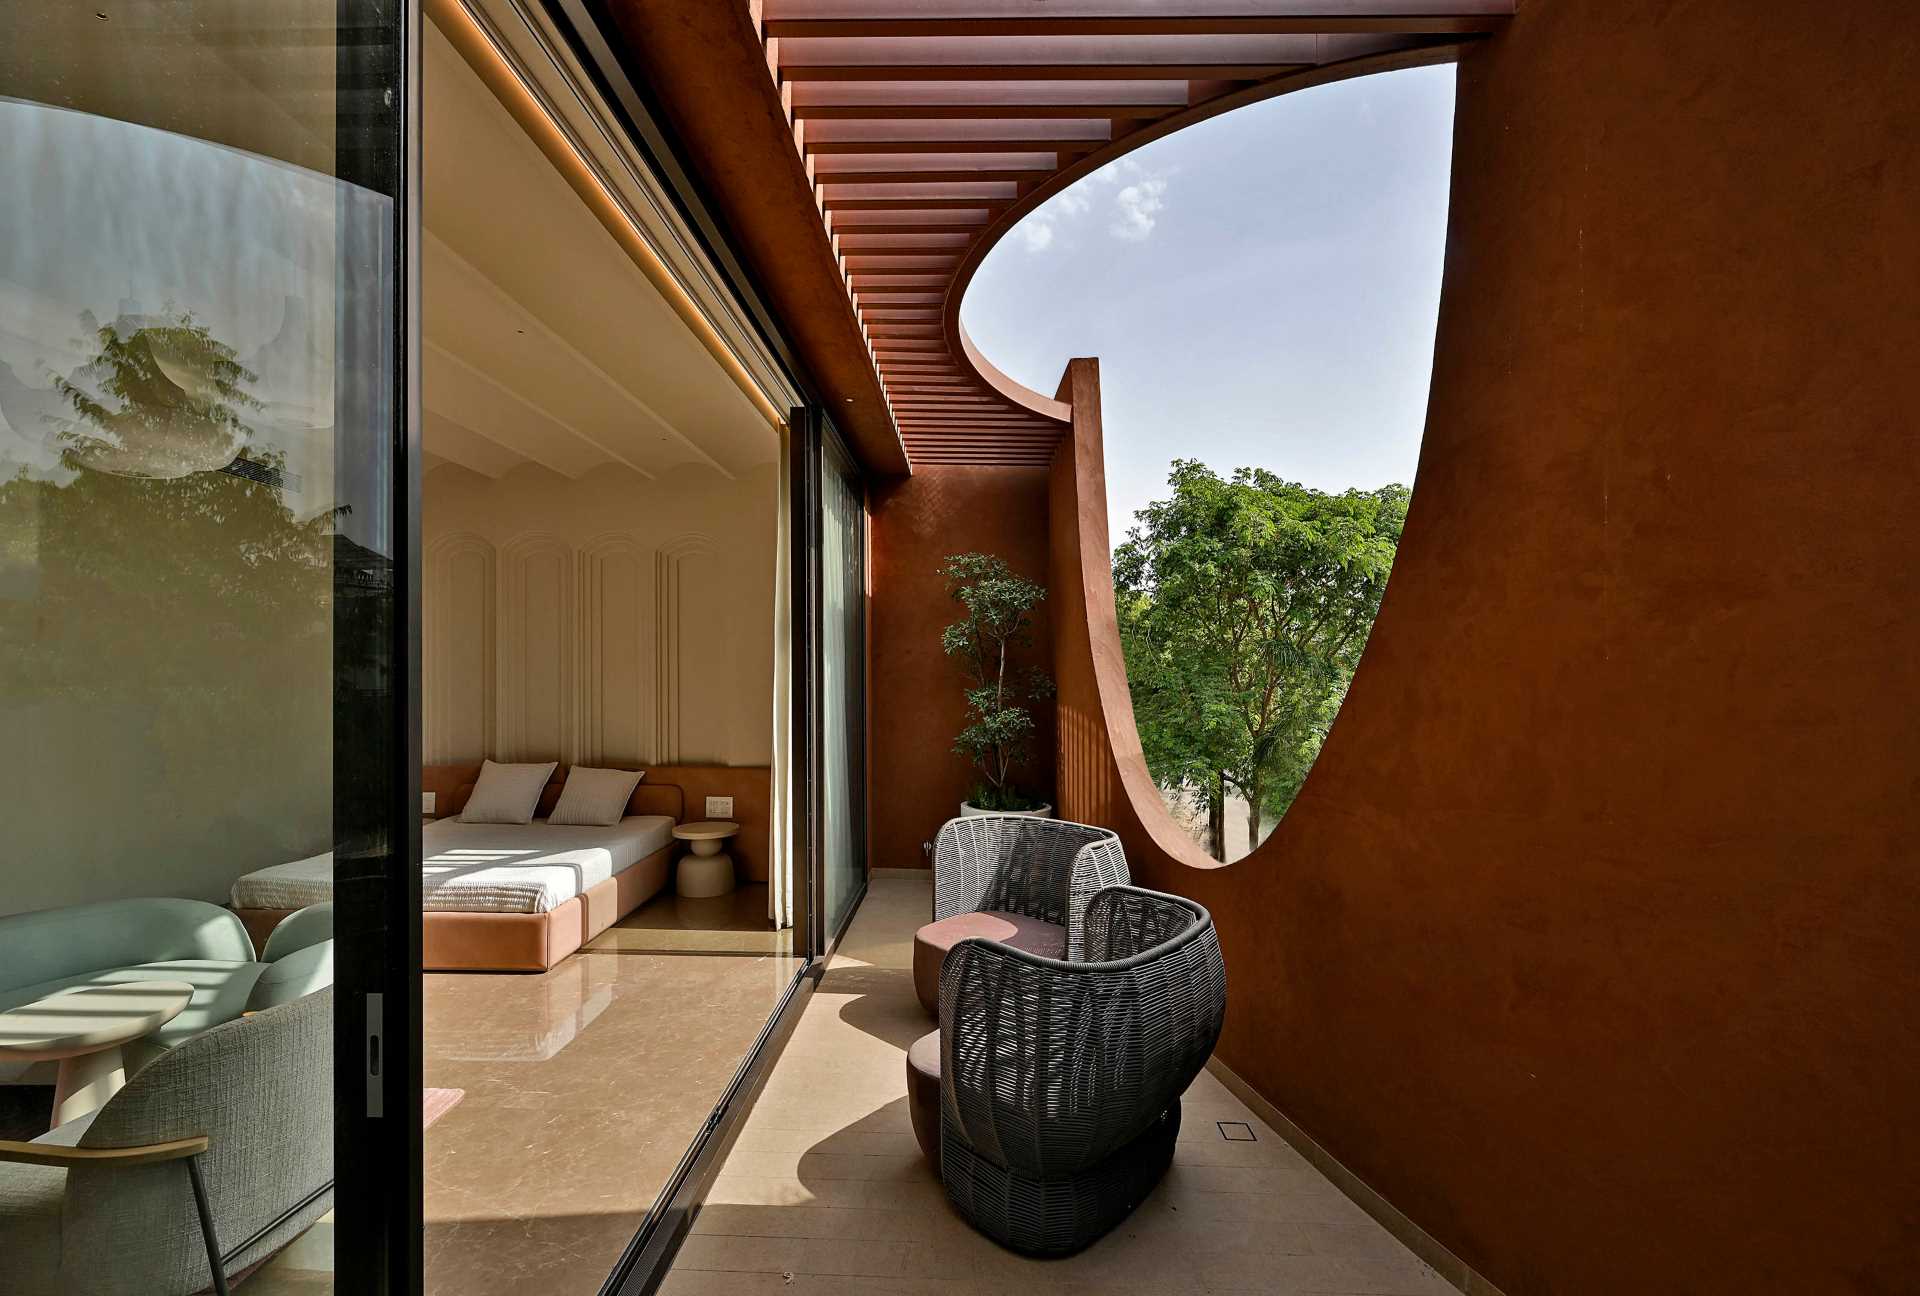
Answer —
719 807
426 802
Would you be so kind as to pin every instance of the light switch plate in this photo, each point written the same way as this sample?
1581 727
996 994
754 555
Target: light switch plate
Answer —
426 802
719 807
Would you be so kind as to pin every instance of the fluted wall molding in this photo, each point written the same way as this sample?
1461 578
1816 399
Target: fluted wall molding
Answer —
542 650
536 693
670 569
618 659
459 718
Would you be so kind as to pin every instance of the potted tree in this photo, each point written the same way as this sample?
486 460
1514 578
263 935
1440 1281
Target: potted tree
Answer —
998 607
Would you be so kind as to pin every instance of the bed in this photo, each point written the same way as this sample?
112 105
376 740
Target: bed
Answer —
502 897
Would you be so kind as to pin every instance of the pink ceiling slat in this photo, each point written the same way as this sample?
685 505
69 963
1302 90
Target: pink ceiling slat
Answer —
959 132
1015 51
1212 10
929 126
1071 94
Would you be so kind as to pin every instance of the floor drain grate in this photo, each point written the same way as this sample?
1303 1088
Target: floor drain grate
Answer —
1236 1131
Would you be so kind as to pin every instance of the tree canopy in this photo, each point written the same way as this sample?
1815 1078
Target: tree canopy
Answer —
1244 606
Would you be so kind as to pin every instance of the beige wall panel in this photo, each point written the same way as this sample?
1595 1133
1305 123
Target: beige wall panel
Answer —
635 614
457 721
615 703
536 677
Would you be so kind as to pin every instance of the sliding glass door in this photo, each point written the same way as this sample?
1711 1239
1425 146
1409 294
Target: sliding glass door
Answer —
843 614
207 653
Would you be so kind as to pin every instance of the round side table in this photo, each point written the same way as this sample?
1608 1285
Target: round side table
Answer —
83 1030
708 870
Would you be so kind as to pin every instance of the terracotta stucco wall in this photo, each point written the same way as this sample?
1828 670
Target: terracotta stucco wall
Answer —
916 707
1594 938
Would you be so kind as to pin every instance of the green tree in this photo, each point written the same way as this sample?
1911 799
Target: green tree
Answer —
998 621
160 400
1244 606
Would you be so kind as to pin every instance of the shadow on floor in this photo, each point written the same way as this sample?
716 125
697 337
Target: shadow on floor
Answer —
825 1193
25 1111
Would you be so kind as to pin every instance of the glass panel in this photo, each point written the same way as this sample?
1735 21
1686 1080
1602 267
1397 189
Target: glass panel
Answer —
843 682
197 593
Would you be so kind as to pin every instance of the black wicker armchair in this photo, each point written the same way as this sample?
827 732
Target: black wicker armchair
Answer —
1060 1079
1015 879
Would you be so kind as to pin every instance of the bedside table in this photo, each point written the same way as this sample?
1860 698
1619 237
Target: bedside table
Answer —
707 870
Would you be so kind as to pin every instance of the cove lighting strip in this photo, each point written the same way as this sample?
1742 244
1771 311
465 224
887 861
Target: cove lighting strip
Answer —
470 33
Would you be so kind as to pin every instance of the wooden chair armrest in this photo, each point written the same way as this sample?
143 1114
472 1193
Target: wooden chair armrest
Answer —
52 1154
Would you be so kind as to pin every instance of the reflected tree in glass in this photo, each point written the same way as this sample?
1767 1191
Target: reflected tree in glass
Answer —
164 609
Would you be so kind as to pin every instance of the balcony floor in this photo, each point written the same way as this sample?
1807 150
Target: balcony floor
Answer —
825 1191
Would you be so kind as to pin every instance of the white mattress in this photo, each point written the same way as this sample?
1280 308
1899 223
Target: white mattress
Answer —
483 868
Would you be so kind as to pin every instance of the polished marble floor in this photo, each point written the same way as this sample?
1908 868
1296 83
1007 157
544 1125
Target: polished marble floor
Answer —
565 1101
824 1192
581 1089
735 923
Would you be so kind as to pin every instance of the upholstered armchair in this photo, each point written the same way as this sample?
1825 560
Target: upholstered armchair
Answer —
1058 1081
1015 879
220 1147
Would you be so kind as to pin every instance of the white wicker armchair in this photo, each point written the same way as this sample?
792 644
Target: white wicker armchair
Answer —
1016 879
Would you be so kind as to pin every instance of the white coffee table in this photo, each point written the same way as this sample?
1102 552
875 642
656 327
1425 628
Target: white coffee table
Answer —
83 1031
708 871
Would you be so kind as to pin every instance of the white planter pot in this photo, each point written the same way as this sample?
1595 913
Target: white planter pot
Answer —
968 810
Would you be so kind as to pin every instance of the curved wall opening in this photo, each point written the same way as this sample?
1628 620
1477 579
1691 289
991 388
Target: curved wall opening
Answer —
1262 290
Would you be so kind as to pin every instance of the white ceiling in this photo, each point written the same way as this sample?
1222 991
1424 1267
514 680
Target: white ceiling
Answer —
541 341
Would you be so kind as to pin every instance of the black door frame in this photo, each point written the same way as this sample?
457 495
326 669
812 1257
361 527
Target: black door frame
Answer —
377 1063
803 506
828 446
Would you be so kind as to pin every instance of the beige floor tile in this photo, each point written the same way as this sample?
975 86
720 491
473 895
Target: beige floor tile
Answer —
824 1191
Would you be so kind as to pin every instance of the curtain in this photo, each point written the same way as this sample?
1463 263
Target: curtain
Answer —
780 861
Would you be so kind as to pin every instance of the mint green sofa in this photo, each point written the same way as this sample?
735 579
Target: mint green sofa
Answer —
116 941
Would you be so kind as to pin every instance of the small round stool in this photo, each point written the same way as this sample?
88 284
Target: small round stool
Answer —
923 1095
707 870
931 943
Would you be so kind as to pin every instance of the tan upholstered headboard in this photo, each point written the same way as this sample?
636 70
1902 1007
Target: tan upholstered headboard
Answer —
453 784
679 791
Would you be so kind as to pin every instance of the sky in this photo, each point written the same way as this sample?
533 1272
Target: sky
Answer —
1260 289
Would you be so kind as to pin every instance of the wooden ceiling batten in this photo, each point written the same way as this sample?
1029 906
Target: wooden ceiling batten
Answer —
1279 24
1093 111
860 147
930 127
958 72
961 175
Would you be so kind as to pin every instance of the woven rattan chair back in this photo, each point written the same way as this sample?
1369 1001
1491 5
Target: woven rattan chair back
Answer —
1048 869
1048 1067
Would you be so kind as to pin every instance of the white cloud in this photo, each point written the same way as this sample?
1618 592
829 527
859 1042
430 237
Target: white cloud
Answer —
1135 208
1137 199
1037 231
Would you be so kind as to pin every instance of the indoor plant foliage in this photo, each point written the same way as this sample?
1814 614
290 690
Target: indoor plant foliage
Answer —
999 620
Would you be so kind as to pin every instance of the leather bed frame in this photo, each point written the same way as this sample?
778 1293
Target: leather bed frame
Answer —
451 941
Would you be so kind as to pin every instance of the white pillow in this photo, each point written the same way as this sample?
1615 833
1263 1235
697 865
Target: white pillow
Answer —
507 794
595 797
